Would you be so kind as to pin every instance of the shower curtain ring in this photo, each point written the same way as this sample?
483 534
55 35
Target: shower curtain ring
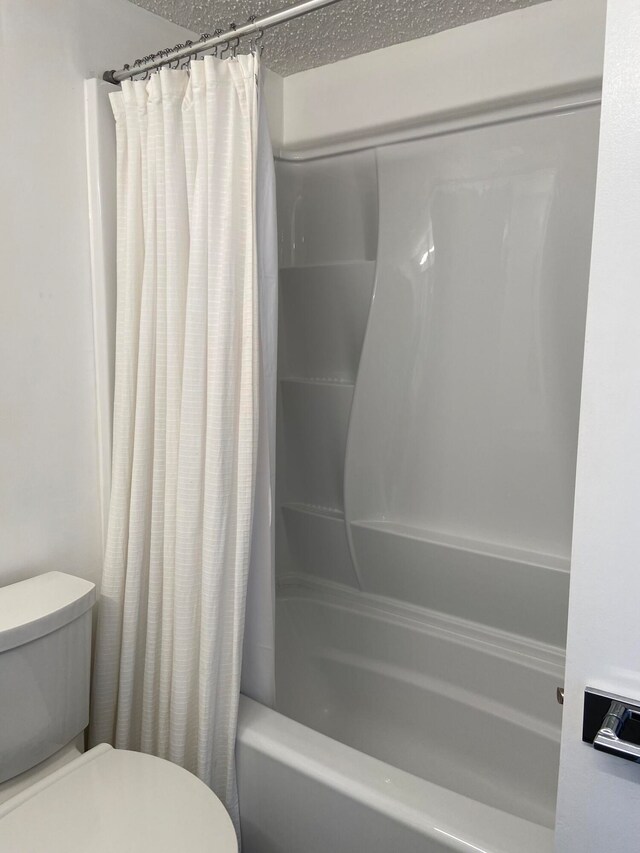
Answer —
230 46
177 61
250 20
143 61
216 33
258 42
187 59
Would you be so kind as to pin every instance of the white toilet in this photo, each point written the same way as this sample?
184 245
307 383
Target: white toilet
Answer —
54 798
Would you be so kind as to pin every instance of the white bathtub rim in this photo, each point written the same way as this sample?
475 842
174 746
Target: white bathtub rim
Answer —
421 805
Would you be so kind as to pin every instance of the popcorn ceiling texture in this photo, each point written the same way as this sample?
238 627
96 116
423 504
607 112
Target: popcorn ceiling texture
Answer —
341 30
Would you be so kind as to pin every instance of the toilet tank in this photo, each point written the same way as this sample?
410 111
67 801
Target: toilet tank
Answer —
45 658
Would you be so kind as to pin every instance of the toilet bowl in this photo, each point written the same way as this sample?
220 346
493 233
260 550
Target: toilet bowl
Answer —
57 799
111 799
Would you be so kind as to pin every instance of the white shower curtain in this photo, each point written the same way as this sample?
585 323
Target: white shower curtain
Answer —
196 270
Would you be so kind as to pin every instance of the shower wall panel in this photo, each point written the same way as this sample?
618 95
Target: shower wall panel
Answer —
432 306
448 447
461 456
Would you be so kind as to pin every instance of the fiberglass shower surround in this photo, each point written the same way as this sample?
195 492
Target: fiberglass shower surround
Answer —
432 305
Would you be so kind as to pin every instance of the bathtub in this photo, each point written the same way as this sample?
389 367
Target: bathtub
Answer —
303 792
474 745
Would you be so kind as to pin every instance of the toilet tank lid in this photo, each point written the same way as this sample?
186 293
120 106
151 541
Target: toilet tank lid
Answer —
37 606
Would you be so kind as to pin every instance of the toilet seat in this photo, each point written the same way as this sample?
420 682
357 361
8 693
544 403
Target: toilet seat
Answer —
108 800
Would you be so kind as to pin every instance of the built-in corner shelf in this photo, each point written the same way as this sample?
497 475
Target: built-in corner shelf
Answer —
315 544
465 578
327 209
319 380
314 424
323 317
329 512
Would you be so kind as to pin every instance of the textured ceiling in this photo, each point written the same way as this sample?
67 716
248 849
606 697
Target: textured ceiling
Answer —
341 30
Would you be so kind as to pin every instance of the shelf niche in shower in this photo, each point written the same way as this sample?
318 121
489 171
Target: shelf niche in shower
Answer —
327 219
315 543
323 316
315 418
327 210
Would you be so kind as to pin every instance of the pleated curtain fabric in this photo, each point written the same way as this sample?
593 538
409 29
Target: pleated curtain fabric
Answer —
186 419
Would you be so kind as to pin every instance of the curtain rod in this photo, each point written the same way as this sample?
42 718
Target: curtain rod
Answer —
207 41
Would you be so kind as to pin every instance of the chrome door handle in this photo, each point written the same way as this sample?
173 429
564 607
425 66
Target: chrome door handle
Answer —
609 735
608 738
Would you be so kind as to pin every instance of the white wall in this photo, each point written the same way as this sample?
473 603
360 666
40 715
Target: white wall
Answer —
599 797
49 501
546 50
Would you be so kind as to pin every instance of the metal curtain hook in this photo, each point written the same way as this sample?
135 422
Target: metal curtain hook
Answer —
217 32
147 74
257 44
177 61
252 42
187 60
232 45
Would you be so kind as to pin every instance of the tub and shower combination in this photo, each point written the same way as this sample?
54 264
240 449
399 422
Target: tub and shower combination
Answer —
432 305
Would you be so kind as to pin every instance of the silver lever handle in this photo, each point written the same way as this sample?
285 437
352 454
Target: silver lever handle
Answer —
608 737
